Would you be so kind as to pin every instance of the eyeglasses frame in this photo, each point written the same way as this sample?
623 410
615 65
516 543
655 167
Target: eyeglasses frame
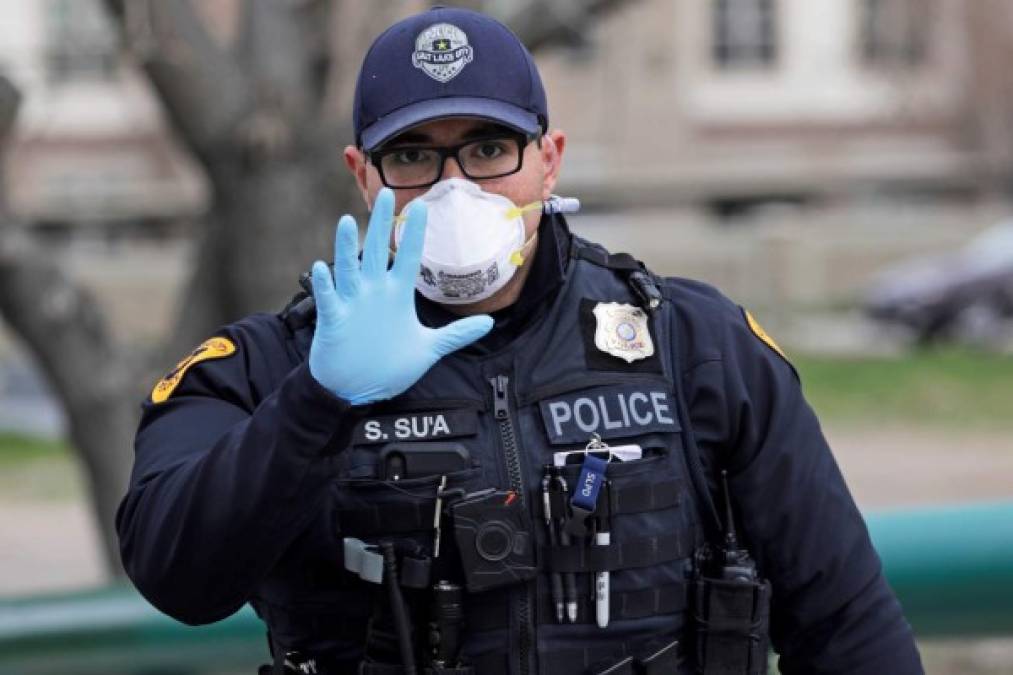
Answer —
375 157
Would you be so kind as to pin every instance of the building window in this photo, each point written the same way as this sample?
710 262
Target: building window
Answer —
82 45
745 33
895 33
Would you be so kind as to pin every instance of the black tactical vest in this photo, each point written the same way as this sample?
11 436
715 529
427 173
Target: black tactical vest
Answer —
550 391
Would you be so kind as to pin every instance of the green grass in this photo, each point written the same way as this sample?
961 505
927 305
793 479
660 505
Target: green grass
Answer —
33 468
947 388
19 448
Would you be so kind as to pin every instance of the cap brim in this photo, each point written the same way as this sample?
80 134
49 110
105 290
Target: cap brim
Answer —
409 116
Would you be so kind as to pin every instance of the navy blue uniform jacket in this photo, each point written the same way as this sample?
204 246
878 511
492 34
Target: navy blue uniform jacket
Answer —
231 468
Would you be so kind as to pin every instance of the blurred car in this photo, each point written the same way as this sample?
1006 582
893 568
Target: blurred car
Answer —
965 296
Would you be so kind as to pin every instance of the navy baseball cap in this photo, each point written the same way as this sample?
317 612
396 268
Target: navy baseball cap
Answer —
446 62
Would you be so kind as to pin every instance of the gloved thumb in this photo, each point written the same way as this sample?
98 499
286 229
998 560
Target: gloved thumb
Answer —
461 333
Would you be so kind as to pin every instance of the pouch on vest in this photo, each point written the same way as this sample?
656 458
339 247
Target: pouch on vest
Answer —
732 623
731 606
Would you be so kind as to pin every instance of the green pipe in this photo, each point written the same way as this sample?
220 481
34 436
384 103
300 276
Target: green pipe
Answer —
952 568
114 630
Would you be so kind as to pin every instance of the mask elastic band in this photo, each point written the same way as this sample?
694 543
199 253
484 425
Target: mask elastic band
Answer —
517 258
517 211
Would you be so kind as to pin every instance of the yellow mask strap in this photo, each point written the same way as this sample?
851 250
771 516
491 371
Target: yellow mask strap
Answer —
517 211
517 258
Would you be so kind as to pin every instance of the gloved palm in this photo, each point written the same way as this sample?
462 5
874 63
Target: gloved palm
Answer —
368 344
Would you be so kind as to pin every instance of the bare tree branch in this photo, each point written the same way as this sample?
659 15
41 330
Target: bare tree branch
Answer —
10 102
200 84
282 47
543 23
279 45
64 329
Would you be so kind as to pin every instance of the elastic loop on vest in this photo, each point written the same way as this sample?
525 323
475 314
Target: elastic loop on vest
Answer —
642 552
391 519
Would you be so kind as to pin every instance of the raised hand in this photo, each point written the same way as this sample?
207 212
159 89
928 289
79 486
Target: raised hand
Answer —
368 344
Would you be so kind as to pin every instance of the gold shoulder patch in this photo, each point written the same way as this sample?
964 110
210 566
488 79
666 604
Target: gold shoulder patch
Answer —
758 331
215 348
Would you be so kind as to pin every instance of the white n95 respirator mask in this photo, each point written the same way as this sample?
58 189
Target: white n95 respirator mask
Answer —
473 241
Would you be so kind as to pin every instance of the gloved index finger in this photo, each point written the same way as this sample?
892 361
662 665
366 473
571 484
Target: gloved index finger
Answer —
409 251
375 250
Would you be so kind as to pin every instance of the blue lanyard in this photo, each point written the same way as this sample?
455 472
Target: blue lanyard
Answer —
592 477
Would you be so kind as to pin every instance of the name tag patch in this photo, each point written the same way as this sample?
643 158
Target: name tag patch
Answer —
610 412
420 426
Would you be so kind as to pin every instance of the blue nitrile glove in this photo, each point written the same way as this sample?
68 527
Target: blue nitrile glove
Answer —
368 344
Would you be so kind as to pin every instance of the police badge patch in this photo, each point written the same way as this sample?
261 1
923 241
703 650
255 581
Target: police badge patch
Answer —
215 348
442 51
622 331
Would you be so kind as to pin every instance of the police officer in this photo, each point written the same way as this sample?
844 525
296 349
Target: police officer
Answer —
290 452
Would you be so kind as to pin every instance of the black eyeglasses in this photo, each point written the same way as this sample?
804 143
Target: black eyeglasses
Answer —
419 166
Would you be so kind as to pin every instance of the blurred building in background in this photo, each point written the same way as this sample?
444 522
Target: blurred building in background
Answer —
91 148
730 102
718 103
845 135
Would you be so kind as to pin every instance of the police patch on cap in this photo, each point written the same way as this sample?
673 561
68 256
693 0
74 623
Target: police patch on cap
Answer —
621 331
215 348
442 51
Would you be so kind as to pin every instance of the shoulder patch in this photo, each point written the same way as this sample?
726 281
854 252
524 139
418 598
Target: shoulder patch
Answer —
758 331
214 348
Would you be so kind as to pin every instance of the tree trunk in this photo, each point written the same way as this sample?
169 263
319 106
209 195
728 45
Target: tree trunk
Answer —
94 379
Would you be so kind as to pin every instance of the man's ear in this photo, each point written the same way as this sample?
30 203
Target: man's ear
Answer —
553 144
355 160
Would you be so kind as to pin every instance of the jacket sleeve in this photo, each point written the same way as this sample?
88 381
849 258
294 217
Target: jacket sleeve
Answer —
226 472
832 610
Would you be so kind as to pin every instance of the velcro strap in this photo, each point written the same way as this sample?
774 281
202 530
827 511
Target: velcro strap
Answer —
618 555
660 656
655 601
634 497
402 518
623 605
642 497
581 660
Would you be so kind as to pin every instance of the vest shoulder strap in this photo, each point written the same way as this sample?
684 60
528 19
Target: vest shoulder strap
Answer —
644 283
301 310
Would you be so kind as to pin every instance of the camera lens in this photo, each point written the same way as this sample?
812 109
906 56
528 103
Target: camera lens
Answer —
494 540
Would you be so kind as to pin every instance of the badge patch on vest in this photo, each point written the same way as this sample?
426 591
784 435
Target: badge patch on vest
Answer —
420 426
621 331
610 412
442 51
215 348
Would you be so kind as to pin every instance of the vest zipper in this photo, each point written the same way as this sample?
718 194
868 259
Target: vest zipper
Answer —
501 411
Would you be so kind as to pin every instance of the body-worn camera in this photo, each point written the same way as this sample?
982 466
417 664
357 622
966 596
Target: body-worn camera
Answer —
493 533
